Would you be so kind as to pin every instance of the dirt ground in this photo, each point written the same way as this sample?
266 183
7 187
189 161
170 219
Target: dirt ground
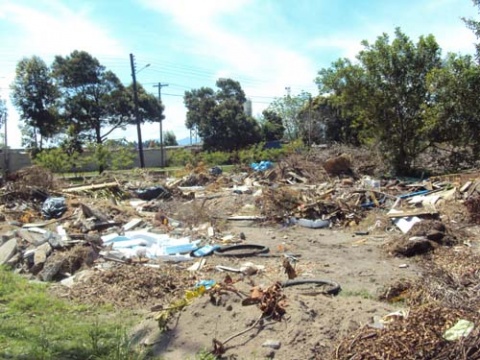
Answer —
313 322
315 325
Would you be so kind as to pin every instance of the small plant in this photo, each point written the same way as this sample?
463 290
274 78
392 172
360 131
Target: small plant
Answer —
180 157
55 160
36 325
216 158
364 294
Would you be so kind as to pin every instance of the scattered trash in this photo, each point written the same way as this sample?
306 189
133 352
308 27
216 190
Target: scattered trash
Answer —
242 250
216 171
313 224
461 329
54 207
261 166
205 250
153 192
207 284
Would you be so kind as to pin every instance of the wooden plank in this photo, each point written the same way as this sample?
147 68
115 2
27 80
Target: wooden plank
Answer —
90 187
411 213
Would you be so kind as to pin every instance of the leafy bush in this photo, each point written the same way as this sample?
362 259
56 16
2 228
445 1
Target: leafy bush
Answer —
111 155
180 157
258 153
216 158
57 160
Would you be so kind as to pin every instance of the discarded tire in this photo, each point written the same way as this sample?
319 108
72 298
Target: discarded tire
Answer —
333 290
243 250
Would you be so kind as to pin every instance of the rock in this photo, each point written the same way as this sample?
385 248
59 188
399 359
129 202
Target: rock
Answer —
269 354
7 236
50 269
55 240
274 344
30 237
7 251
14 260
41 254
347 182
435 235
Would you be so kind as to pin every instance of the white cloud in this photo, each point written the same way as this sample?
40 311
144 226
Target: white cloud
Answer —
265 67
46 28
50 28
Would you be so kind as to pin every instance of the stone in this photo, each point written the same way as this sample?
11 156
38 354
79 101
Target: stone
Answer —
7 236
7 251
30 237
273 344
41 254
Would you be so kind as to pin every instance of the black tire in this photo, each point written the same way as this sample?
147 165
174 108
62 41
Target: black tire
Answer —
334 290
230 250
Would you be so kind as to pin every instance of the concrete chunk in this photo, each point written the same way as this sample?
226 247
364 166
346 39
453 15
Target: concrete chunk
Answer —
41 254
7 251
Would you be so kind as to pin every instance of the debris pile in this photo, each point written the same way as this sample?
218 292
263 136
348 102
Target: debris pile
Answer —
445 295
138 243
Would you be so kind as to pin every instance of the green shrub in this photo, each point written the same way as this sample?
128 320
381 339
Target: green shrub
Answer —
56 160
180 157
216 158
111 155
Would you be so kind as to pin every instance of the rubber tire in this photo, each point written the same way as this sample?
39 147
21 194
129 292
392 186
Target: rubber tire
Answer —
333 291
256 250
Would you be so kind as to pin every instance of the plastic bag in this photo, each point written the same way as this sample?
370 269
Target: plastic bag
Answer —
153 192
54 207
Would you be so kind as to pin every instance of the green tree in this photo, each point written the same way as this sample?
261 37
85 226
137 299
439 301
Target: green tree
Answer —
219 117
55 160
474 25
35 96
386 94
169 139
272 126
289 108
454 117
95 102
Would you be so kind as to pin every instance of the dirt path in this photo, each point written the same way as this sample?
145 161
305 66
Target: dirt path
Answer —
313 323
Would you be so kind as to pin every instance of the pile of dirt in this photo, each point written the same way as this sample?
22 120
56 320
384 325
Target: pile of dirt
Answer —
128 286
446 293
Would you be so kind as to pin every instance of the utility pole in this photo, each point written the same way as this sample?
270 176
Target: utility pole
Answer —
137 116
6 165
160 86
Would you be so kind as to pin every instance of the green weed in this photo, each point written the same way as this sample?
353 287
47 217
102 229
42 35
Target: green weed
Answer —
36 325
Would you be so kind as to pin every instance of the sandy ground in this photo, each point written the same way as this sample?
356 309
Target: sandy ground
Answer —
313 323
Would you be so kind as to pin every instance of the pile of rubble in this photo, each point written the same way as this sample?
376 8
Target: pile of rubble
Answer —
89 237
128 221
440 322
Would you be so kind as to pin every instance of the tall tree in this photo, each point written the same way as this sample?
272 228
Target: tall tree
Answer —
386 94
272 126
169 139
219 116
35 95
289 108
474 25
94 101
454 117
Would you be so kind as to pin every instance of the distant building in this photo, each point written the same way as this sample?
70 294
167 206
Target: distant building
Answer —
247 107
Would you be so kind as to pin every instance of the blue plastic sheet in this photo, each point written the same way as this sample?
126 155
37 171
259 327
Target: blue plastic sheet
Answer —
261 166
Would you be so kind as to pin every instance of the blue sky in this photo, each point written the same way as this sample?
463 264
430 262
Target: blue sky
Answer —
267 45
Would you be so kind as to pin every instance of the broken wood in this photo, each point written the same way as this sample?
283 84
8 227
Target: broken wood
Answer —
90 187
411 213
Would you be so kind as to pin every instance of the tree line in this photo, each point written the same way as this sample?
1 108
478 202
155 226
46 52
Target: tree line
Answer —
398 96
